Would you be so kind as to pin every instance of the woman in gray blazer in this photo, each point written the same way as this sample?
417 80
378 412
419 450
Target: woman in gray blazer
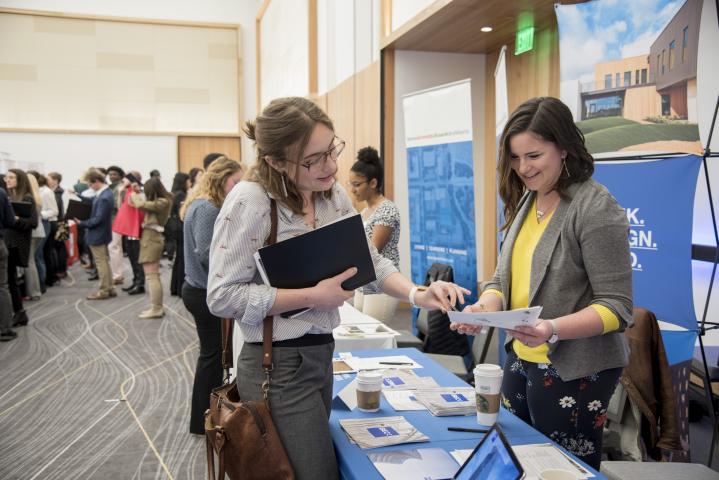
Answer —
566 249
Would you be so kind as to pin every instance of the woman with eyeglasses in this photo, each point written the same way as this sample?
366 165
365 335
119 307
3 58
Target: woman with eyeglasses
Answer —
296 167
381 224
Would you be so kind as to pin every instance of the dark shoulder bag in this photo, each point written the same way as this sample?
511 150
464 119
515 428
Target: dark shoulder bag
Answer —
242 433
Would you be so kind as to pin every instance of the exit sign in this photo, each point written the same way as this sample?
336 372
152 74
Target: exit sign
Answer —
524 40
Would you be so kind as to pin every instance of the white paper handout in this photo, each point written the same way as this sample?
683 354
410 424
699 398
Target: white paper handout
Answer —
544 456
349 395
377 363
405 379
461 455
381 431
446 401
364 330
415 464
508 319
403 400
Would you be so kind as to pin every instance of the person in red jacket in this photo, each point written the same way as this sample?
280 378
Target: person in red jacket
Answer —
128 223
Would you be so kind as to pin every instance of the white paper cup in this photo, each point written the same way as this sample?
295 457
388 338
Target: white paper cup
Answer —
487 383
369 388
557 474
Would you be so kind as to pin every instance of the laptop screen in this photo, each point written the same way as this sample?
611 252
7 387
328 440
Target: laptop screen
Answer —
492 459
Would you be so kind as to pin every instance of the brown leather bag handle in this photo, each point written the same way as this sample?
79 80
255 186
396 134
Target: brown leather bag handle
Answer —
228 323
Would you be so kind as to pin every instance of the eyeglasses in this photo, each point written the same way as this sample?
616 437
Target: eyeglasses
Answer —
338 145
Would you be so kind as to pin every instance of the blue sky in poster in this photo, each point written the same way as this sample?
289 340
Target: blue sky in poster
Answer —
441 211
603 30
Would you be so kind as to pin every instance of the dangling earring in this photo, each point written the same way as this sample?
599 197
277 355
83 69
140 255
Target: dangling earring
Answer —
284 187
564 162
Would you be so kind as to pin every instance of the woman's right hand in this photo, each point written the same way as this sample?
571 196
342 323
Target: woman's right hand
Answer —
329 294
480 306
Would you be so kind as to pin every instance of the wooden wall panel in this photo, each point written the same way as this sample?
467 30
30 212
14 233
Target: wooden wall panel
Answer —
340 108
535 73
367 107
191 150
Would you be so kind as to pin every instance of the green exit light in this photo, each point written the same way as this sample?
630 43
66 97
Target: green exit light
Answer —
524 41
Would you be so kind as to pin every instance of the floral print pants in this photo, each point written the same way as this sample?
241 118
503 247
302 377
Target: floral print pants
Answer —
570 413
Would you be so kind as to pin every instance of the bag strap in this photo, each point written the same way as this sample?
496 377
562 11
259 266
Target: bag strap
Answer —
267 326
228 323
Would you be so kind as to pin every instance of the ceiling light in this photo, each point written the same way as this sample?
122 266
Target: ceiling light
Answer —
485 29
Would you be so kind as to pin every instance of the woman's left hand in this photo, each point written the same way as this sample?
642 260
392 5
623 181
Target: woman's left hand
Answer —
441 295
533 336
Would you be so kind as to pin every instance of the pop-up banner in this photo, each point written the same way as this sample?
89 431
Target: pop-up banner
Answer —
658 197
438 136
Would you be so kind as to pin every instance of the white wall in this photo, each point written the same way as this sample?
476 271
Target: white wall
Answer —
73 154
240 12
404 10
347 39
417 71
284 50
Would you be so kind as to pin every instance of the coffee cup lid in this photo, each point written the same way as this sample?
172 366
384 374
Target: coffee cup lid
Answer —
370 375
488 369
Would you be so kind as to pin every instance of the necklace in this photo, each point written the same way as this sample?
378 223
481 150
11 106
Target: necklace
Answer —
541 213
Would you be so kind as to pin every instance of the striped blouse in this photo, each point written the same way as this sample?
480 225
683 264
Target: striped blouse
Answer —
234 287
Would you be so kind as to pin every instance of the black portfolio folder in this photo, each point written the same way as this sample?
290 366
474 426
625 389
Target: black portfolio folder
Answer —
22 209
306 260
78 209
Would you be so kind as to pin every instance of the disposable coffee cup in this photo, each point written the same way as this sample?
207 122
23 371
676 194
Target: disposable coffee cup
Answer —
487 382
557 474
369 387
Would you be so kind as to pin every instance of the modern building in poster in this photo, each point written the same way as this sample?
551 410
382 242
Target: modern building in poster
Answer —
659 84
673 60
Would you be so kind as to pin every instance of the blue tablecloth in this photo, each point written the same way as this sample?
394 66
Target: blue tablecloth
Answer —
353 461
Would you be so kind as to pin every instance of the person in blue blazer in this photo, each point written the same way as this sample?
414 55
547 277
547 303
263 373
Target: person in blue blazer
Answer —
99 233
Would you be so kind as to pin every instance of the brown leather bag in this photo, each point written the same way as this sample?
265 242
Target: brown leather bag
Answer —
242 433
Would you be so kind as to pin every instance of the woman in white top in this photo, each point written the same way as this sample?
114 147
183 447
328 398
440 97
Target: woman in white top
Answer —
381 224
296 165
49 212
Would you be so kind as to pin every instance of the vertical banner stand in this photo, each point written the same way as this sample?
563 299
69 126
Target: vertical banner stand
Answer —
705 325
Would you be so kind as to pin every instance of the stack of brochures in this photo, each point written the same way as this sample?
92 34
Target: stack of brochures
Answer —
381 431
447 401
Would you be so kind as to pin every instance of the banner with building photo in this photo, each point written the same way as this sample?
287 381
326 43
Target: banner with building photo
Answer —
629 73
438 137
660 240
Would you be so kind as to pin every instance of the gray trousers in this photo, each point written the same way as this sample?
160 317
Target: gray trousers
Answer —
300 399
5 300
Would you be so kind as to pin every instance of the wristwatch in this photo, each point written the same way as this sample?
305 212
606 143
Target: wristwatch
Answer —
413 292
554 337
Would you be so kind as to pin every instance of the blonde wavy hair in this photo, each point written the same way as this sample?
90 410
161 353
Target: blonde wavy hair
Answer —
212 183
35 189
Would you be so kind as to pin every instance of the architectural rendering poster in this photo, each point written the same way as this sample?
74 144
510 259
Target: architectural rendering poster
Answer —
438 136
629 73
660 240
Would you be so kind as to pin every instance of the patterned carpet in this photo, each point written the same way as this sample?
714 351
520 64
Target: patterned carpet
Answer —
88 390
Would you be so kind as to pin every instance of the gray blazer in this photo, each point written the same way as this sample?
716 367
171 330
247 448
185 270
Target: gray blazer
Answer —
581 259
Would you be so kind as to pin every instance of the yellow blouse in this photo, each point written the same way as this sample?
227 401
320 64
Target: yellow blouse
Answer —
522 253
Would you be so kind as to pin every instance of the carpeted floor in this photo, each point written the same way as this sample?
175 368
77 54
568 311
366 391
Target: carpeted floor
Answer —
88 390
